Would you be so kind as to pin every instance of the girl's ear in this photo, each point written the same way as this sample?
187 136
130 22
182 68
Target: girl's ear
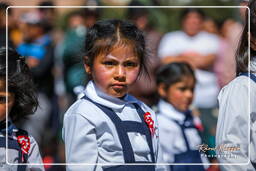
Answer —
86 65
161 88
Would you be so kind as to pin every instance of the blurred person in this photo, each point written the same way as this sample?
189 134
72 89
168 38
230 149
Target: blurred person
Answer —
199 49
236 126
145 88
48 14
18 102
224 66
210 26
69 54
3 7
91 14
39 52
179 130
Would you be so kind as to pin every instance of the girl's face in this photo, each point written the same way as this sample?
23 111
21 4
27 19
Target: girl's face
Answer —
113 73
179 94
3 98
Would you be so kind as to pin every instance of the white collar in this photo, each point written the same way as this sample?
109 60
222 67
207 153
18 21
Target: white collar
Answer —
95 94
169 111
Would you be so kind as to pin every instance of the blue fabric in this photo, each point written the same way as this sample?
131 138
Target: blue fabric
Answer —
190 156
13 144
122 128
131 168
32 50
35 49
252 76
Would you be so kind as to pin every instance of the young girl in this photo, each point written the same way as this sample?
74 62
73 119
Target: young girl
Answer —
179 135
107 125
236 126
17 102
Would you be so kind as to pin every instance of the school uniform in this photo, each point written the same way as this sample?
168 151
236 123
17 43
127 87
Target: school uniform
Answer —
179 138
22 148
100 129
237 123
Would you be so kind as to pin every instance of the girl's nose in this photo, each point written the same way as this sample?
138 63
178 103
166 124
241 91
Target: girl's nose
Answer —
189 94
120 73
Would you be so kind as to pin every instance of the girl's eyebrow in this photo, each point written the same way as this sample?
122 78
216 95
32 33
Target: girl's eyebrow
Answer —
110 56
114 57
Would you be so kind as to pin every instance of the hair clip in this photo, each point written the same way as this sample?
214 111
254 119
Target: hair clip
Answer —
19 62
18 65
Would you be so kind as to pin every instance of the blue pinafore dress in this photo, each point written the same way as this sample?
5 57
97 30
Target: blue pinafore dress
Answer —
190 156
122 128
12 143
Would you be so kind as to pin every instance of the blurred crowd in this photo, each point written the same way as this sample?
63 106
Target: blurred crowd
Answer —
55 58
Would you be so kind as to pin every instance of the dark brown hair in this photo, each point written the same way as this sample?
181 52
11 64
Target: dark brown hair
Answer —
104 35
242 51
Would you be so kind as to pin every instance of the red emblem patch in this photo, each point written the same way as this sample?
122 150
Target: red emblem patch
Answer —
149 121
24 142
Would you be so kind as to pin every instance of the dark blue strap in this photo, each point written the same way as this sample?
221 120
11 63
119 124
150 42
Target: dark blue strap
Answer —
182 128
131 126
12 144
10 128
248 74
131 168
147 131
123 136
122 127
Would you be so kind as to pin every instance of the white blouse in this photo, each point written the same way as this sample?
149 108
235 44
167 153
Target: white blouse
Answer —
171 137
236 125
91 137
34 156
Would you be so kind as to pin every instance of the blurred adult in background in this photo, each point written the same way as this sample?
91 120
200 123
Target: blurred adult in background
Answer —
39 51
48 14
198 48
3 7
145 86
70 50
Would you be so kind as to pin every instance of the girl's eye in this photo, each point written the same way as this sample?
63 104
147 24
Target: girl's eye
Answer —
109 63
130 64
2 99
182 88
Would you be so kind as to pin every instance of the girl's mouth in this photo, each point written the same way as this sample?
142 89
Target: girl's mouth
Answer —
119 86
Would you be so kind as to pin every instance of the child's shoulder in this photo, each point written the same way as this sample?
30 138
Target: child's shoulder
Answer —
239 84
84 108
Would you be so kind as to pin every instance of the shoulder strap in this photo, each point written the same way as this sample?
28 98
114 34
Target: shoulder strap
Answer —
147 131
24 143
248 74
123 137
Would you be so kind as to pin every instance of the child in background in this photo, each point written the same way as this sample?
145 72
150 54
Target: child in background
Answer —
19 101
107 125
236 126
179 135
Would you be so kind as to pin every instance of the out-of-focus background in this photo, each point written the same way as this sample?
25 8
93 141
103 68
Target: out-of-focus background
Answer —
52 39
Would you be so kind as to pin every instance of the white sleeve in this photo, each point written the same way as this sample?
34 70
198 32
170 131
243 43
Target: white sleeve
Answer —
34 156
159 155
80 143
167 46
233 126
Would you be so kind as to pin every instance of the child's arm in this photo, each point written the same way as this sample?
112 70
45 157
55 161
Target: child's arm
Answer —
34 156
80 142
233 126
